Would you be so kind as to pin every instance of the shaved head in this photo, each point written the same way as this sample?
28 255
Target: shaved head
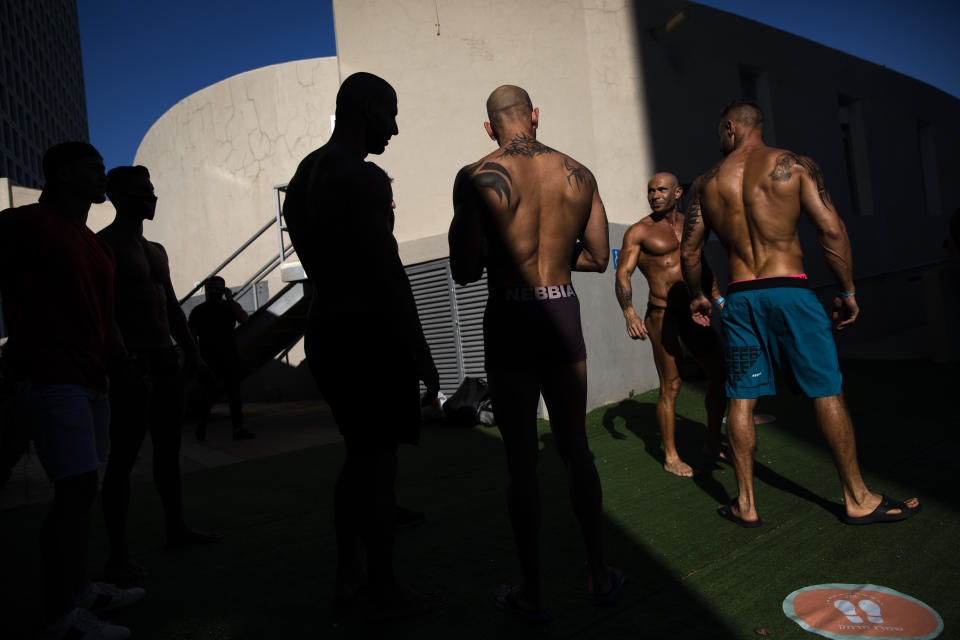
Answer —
670 179
508 103
746 112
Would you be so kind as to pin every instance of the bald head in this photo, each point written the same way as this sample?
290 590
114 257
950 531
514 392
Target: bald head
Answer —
663 192
361 90
666 178
508 103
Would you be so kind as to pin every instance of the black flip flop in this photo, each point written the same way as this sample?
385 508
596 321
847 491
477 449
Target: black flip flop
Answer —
882 513
726 512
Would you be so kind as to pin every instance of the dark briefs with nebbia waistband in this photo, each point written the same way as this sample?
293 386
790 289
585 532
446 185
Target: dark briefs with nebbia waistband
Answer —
528 327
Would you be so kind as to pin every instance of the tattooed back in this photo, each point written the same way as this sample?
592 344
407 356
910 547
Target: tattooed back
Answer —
753 200
534 203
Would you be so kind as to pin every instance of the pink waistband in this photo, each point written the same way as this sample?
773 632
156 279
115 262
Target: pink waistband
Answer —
802 276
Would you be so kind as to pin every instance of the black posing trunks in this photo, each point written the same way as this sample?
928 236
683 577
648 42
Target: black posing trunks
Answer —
527 328
698 339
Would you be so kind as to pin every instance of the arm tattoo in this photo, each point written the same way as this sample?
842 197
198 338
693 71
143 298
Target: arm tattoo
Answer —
693 220
527 146
782 172
624 295
578 173
495 177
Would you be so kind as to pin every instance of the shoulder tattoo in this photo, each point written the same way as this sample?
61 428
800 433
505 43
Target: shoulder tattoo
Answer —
495 177
527 146
578 176
782 172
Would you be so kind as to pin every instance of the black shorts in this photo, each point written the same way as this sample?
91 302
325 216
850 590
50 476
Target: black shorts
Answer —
528 328
367 376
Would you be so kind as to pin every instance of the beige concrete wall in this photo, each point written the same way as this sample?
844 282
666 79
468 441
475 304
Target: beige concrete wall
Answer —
216 155
13 195
577 59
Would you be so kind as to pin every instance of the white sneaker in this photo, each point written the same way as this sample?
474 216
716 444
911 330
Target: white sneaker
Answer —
101 596
80 624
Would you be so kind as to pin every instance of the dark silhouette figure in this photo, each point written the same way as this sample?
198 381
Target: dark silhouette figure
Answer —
753 199
147 314
532 215
213 322
56 280
363 326
653 246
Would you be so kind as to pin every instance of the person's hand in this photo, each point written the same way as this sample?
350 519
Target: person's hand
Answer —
428 374
636 328
845 311
227 293
700 310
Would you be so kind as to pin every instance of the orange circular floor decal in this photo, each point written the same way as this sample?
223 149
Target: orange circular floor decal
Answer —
850 611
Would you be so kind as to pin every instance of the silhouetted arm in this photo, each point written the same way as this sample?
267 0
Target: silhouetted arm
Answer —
593 249
691 253
466 239
178 321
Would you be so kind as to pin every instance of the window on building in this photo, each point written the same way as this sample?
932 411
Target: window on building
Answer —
755 85
929 168
854 141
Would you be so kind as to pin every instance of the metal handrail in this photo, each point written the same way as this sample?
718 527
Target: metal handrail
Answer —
264 271
230 259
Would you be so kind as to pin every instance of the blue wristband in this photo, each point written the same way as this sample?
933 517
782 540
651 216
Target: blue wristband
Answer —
719 302
847 295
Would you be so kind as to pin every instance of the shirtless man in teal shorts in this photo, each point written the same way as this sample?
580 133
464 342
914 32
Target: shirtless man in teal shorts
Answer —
753 200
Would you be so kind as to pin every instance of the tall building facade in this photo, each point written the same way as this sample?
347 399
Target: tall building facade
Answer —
42 98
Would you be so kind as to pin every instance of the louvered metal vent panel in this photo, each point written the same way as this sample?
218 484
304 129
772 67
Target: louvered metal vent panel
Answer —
471 302
431 291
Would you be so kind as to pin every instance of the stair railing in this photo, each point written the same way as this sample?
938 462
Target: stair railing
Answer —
283 252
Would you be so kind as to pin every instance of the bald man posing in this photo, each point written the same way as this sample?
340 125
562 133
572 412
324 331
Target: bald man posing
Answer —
753 199
653 245
532 215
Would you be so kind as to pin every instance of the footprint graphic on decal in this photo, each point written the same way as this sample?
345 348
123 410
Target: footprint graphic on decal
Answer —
872 609
846 608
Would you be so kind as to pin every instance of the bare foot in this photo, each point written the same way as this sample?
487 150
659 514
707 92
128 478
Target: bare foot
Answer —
746 519
678 468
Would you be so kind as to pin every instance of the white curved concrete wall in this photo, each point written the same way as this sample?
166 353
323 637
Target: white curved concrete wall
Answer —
216 155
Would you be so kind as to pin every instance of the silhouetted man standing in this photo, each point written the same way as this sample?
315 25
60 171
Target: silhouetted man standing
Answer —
753 199
56 279
147 314
653 245
531 215
214 322
363 326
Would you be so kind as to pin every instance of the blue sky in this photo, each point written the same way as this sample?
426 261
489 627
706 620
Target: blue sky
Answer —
141 58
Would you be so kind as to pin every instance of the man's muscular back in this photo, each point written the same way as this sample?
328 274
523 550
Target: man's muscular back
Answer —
753 200
535 203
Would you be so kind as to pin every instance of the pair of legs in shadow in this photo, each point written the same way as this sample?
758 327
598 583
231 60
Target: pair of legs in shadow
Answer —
516 396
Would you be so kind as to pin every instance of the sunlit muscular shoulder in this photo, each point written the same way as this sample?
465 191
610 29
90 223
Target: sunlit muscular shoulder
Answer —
753 207
534 208
140 306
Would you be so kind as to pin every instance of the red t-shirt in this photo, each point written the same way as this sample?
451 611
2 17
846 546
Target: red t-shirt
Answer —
56 282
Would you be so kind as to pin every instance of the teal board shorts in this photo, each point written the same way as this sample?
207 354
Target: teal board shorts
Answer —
778 322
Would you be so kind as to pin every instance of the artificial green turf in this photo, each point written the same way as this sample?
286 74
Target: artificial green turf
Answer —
691 574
